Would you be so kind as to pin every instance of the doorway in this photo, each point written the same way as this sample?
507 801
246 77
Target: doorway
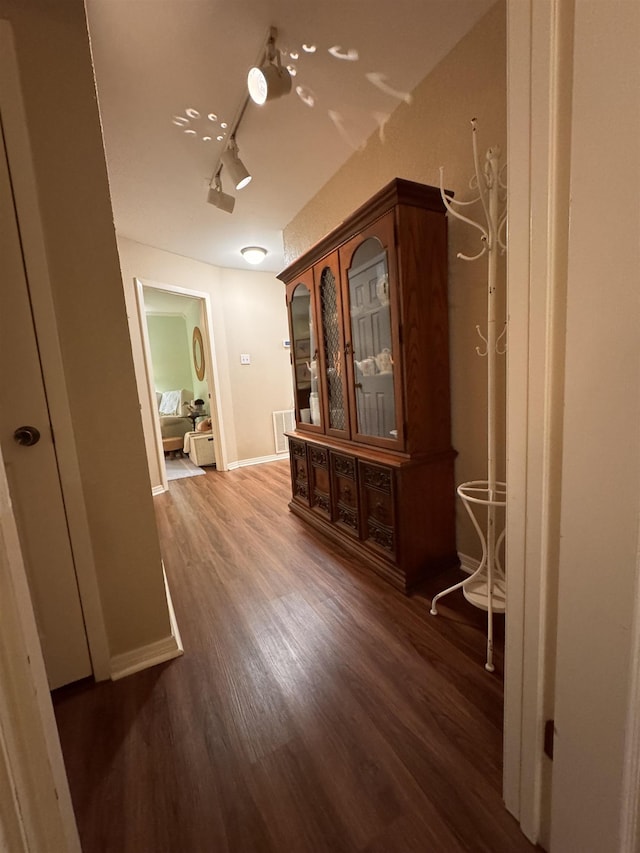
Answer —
187 361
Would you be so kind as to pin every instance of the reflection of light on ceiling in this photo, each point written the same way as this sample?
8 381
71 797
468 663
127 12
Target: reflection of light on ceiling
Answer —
306 96
224 125
338 121
351 55
381 121
292 70
378 80
188 123
294 54
309 48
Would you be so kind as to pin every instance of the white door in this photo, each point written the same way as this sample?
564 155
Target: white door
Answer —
32 469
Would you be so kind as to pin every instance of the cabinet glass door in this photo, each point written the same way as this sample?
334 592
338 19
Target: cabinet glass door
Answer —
304 357
332 349
372 341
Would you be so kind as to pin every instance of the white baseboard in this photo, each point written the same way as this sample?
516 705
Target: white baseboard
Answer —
243 463
154 653
158 490
468 564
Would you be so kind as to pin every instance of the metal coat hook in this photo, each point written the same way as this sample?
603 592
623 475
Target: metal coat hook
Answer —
486 587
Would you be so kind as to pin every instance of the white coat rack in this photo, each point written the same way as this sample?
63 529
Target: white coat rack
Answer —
485 587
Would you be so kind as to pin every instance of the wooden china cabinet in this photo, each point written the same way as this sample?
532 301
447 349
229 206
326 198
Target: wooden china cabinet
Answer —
371 455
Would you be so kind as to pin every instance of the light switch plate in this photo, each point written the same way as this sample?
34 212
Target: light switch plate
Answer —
245 358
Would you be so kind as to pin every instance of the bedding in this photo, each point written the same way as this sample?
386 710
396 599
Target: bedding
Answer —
171 405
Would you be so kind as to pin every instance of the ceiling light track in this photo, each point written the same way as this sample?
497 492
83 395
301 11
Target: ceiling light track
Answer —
266 80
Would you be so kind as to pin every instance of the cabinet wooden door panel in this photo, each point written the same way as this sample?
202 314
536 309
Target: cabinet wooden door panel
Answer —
378 510
344 489
299 471
319 486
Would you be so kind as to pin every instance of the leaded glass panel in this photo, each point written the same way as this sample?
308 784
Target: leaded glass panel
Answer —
332 349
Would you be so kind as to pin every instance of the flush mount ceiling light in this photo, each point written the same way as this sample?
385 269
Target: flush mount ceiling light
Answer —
270 80
234 165
219 199
253 254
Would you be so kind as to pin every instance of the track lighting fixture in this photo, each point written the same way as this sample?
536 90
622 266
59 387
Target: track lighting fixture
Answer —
234 165
253 254
220 199
269 80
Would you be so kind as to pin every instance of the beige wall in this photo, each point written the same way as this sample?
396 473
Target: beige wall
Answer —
248 316
434 131
57 80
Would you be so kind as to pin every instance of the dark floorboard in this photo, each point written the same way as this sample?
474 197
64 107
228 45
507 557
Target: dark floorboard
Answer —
316 708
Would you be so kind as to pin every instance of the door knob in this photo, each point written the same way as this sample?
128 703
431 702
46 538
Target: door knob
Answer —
27 435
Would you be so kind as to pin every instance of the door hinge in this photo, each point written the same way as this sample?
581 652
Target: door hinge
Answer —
549 729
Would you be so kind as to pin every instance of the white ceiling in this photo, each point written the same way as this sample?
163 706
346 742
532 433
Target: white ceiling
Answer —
156 59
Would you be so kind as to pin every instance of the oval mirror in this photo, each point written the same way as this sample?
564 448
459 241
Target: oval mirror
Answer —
198 353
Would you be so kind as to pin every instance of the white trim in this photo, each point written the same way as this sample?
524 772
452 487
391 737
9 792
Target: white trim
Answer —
151 391
539 92
145 657
152 654
175 631
258 460
28 213
213 380
468 564
159 490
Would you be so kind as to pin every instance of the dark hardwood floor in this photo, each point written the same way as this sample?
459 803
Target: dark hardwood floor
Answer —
315 708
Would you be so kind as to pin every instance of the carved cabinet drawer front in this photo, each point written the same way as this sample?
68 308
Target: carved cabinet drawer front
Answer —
297 449
378 507
344 466
319 456
377 477
300 478
345 493
320 490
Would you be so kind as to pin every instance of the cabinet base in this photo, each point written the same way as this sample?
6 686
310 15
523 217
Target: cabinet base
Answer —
382 567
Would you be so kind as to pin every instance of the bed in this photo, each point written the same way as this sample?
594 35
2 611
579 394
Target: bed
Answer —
171 408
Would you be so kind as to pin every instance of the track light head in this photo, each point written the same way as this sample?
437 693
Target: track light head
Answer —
269 80
234 166
219 199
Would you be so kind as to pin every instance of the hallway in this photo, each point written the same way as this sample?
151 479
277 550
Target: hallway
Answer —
316 709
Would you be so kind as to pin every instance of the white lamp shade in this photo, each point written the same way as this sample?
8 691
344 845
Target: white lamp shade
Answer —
254 254
221 200
236 169
267 83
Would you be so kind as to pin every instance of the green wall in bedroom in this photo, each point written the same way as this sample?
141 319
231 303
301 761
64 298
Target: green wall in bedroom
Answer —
170 352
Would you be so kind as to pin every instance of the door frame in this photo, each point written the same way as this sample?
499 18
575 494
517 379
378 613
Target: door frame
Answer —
213 379
37 274
539 92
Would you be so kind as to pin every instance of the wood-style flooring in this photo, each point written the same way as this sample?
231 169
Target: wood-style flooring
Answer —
316 709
